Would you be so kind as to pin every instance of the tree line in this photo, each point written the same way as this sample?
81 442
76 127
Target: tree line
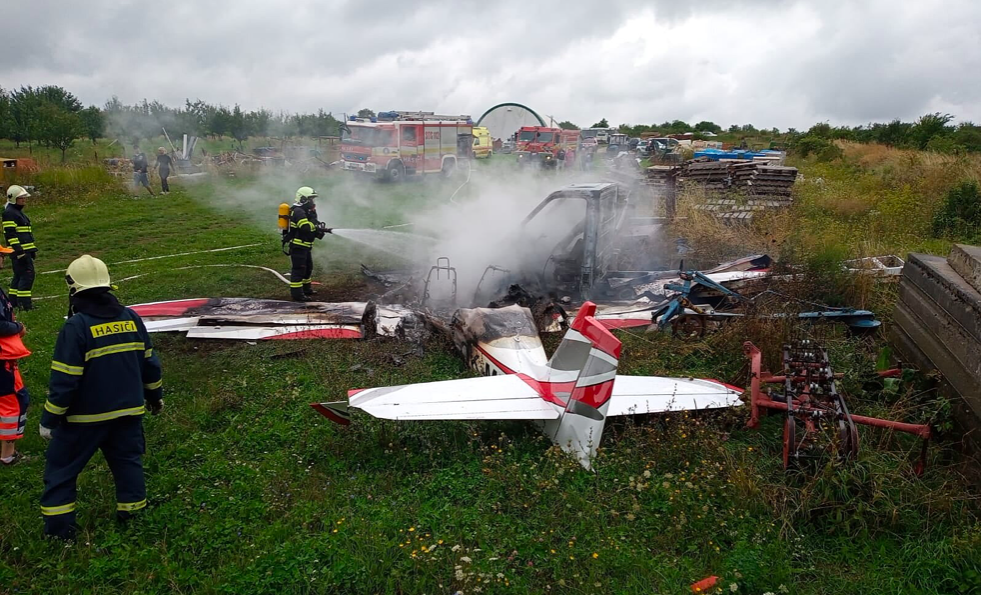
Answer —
932 132
53 117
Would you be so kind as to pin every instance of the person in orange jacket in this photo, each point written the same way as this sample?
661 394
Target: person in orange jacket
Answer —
14 397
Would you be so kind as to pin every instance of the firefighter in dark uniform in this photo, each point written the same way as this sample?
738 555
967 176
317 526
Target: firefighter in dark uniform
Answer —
104 376
19 236
304 228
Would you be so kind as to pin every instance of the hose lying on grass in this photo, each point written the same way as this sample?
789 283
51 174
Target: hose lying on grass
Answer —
196 266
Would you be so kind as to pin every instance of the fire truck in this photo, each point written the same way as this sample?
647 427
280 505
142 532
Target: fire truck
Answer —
541 145
396 144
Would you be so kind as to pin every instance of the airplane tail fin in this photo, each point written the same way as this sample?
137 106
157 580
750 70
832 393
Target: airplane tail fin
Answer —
587 359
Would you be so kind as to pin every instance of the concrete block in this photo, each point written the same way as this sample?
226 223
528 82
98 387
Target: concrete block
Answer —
937 280
963 382
944 329
966 261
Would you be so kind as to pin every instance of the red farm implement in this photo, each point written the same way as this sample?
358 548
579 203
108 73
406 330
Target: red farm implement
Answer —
815 413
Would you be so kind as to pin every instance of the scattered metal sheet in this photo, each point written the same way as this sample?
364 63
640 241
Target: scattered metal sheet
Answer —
255 319
256 333
879 266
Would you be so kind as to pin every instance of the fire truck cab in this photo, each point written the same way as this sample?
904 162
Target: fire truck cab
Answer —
542 145
398 144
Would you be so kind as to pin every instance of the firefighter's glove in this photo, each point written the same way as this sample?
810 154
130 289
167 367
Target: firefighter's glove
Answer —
155 407
44 432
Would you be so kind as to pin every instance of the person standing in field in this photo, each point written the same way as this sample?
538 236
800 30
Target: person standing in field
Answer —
14 398
19 234
140 174
104 377
163 168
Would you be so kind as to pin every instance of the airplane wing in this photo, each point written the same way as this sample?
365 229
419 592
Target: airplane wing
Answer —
259 333
489 397
637 395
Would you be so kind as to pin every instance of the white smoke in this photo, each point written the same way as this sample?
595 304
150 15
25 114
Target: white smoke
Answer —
480 228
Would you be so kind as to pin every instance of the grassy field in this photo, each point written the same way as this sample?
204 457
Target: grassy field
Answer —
253 492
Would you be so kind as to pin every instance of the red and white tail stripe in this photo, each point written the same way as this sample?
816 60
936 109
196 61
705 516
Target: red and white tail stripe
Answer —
593 353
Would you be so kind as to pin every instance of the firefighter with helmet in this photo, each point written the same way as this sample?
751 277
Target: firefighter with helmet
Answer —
104 376
304 229
20 238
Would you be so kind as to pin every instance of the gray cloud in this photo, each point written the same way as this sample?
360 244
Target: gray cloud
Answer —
738 61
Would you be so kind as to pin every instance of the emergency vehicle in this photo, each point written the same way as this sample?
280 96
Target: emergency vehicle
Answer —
541 144
483 145
398 144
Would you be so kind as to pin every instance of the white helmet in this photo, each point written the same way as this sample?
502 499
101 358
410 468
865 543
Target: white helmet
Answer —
305 194
86 272
15 192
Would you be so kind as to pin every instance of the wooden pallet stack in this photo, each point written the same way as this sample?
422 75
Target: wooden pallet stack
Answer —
743 174
774 180
938 327
663 180
711 175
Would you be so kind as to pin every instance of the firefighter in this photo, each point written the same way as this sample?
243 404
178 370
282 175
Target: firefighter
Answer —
104 376
19 236
304 228
14 397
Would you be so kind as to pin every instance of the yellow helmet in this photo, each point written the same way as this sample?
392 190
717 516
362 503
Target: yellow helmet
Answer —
15 192
305 194
86 272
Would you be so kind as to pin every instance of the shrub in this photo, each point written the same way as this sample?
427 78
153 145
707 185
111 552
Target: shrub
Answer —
959 215
825 149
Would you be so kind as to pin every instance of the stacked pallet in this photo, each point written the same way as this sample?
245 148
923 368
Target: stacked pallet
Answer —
711 175
774 180
743 174
661 176
938 326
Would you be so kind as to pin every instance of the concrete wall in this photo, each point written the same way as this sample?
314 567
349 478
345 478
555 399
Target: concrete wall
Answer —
938 327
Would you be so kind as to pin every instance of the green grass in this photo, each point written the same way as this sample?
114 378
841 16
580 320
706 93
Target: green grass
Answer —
253 492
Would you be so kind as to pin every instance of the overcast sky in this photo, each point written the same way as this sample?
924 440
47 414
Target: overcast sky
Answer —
765 62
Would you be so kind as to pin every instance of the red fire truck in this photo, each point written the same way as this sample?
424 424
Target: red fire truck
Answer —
541 145
398 144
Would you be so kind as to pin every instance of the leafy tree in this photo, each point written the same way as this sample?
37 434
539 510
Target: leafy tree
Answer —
59 97
946 145
968 135
706 126
567 125
601 124
893 134
25 103
6 117
929 126
365 113
820 130
238 126
816 145
220 122
258 122
93 122
59 127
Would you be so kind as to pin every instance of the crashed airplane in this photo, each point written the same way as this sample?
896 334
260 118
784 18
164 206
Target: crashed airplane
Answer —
569 396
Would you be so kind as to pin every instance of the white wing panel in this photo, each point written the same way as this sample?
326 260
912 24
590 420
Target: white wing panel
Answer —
492 397
636 395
